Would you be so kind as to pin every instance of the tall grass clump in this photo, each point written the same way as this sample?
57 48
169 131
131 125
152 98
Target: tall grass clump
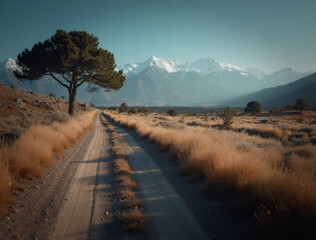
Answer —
5 183
228 117
36 149
134 220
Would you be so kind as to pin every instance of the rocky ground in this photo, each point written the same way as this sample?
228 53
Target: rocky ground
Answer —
19 110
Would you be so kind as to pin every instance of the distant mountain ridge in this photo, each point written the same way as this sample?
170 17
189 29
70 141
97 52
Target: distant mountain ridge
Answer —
282 95
164 81
205 66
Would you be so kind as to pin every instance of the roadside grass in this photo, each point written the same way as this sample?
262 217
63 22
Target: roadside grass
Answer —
125 182
132 218
282 179
121 167
133 204
5 185
125 194
118 149
283 128
36 149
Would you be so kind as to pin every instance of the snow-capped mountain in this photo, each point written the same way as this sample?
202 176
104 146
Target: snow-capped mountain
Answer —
167 64
11 65
209 66
164 81
257 72
205 66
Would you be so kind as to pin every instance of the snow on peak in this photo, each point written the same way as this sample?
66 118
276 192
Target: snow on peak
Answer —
204 66
11 65
167 64
209 66
231 68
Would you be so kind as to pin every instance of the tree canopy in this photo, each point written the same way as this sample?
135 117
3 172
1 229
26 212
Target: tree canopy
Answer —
71 59
228 117
301 104
123 107
253 107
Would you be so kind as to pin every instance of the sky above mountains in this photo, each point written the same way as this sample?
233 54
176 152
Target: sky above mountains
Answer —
268 35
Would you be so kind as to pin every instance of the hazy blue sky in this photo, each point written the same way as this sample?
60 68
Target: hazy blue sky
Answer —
267 34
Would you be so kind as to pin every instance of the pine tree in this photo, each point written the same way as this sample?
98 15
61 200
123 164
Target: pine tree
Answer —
172 112
228 117
123 107
253 107
71 59
301 104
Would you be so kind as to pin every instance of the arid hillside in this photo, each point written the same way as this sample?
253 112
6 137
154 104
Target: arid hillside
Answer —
19 110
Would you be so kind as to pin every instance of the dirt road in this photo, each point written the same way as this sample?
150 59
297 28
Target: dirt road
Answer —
83 210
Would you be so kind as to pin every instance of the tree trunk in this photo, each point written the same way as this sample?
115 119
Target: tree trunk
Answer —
72 98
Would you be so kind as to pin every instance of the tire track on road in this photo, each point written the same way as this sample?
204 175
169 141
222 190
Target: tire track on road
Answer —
81 216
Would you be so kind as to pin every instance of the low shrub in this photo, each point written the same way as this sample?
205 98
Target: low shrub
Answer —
172 112
133 220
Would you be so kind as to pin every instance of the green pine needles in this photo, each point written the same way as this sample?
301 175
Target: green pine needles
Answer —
228 117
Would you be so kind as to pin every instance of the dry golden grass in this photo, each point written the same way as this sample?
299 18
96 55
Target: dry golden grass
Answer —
36 148
126 182
306 152
133 203
125 194
231 160
273 132
118 149
52 136
111 128
133 220
5 185
121 166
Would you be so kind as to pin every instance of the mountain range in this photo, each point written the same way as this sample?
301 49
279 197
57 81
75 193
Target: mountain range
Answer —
166 82
282 95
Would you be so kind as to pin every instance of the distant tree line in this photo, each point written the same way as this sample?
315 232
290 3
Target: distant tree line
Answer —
300 104
131 110
253 107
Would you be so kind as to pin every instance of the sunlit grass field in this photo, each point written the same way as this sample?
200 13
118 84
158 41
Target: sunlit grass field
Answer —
28 156
270 160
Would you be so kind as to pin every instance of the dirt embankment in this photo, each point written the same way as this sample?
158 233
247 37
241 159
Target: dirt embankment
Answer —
19 110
